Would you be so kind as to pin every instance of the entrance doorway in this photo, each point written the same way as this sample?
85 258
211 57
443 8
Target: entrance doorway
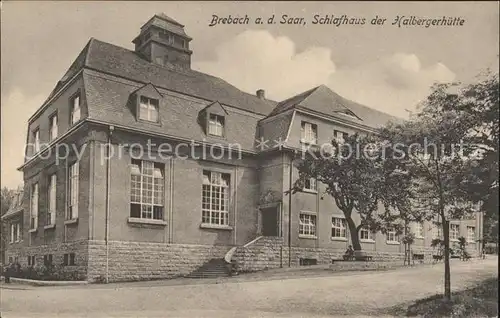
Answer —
270 221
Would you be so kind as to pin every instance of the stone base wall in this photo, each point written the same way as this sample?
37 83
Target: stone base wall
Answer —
80 248
265 253
129 261
269 252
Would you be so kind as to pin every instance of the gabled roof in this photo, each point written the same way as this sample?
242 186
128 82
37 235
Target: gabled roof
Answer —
113 73
121 62
216 107
73 69
148 90
275 130
162 21
108 101
323 100
16 206
167 18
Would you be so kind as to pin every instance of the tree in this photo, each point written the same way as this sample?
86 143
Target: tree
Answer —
481 109
432 148
6 196
355 175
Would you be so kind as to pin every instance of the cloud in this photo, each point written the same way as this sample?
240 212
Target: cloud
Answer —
16 109
257 59
394 84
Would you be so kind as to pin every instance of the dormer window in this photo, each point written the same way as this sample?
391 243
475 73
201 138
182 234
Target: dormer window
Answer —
308 133
216 125
148 109
340 136
75 109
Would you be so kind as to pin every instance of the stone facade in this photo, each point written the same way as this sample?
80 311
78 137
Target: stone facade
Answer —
145 261
79 248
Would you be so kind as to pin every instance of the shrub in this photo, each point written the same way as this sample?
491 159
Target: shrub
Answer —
49 272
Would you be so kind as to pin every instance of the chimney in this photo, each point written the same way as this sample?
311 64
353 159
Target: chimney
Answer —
261 94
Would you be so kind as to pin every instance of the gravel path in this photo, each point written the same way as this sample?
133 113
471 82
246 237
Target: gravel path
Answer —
365 293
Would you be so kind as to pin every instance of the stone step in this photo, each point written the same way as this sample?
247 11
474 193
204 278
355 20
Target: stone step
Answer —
213 268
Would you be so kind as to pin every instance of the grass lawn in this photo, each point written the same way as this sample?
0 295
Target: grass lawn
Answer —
478 301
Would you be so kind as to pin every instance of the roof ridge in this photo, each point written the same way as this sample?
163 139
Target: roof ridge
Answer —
165 17
303 95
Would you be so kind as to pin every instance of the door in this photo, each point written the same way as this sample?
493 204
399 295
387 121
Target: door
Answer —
270 223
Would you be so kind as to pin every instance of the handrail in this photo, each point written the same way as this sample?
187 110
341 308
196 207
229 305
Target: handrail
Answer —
229 254
253 241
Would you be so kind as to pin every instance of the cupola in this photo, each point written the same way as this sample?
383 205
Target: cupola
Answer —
163 41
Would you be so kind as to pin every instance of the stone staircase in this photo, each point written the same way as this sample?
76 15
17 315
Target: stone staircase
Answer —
216 267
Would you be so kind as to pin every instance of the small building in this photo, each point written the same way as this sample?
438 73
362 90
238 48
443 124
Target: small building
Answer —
194 169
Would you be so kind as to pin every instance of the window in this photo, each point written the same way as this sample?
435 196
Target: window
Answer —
47 259
36 139
15 232
437 232
51 211
53 127
166 36
160 60
31 260
340 136
73 175
75 109
391 235
34 207
216 125
307 225
309 133
12 232
215 198
419 230
338 228
308 261
454 231
148 109
471 234
180 42
146 193
20 199
365 235
69 259
311 184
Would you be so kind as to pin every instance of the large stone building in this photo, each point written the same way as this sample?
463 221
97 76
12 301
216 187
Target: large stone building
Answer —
185 180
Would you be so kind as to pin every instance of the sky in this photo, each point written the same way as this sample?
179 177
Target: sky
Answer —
382 66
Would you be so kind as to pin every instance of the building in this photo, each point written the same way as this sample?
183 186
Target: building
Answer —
188 178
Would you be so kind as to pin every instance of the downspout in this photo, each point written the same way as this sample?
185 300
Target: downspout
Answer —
108 181
290 215
317 214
